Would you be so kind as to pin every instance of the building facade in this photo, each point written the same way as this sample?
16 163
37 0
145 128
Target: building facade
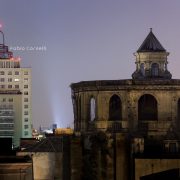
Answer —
15 97
141 115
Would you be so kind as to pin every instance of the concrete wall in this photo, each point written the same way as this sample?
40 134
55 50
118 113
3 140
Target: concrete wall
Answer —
46 165
16 171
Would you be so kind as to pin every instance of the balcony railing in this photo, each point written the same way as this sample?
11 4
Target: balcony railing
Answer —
113 126
117 126
154 125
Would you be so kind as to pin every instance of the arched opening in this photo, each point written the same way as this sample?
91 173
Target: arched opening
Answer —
92 109
178 114
147 108
155 69
115 108
142 69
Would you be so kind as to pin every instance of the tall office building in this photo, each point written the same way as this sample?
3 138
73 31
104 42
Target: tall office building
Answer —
15 97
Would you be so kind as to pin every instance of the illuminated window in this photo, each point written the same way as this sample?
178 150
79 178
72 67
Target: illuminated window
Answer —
16 79
92 109
16 72
2 73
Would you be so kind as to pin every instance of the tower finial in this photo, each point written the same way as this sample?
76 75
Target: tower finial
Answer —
150 29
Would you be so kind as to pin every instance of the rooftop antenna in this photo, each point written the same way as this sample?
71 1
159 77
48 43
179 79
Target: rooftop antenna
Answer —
2 34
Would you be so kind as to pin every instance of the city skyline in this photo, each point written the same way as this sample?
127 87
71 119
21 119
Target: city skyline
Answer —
70 41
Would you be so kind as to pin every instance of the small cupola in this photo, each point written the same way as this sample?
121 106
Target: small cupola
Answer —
151 60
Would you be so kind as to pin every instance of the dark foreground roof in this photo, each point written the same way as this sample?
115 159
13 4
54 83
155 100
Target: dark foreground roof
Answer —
151 44
49 144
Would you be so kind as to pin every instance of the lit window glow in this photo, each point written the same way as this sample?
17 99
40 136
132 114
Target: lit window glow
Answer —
16 80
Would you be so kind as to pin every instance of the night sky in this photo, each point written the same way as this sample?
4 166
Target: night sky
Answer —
83 40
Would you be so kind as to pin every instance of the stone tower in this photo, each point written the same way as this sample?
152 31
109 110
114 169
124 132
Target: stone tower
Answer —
142 115
151 60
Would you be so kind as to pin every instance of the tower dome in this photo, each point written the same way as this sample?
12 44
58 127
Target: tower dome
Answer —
151 59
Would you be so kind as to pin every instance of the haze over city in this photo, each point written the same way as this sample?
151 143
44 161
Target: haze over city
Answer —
77 40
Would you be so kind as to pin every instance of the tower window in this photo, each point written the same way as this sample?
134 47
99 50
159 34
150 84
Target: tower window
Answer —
92 109
142 69
147 108
115 108
155 69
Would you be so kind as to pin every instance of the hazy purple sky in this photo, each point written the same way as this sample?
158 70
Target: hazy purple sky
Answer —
85 40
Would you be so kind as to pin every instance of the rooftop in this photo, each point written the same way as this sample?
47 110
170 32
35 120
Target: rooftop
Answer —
151 44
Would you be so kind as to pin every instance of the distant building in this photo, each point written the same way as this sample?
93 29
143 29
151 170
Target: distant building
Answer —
15 97
51 157
140 119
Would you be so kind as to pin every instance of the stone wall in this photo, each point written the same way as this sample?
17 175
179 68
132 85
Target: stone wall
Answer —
149 166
